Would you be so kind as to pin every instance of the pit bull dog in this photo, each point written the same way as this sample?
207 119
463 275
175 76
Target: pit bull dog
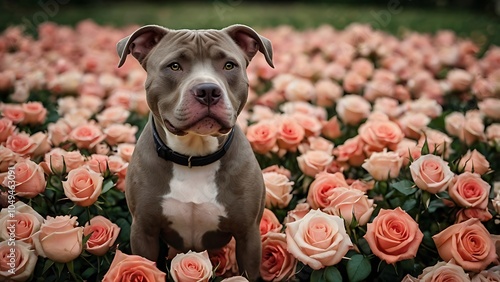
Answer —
193 179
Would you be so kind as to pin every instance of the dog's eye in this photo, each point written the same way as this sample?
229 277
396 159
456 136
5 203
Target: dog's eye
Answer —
229 66
175 66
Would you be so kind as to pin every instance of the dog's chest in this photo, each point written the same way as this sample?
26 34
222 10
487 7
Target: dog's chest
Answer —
191 205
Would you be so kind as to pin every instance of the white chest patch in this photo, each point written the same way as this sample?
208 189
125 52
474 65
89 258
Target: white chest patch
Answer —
191 205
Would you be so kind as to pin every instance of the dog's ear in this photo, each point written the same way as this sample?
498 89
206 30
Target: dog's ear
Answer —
140 43
250 42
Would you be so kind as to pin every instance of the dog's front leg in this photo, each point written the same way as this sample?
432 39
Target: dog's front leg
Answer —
144 240
248 253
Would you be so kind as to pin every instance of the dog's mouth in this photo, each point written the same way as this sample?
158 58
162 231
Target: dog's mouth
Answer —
208 125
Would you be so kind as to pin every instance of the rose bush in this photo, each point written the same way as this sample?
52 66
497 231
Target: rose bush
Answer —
380 157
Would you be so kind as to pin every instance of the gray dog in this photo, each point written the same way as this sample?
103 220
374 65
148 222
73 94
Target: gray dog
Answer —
193 180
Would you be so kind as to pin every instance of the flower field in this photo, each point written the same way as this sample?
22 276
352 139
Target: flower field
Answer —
380 157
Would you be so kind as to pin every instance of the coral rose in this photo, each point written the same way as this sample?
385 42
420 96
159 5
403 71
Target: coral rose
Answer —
318 239
132 267
320 190
468 243
278 190
393 236
59 239
474 162
262 136
21 266
468 190
351 151
86 136
83 186
290 133
103 234
28 177
26 220
352 109
269 223
384 165
431 173
191 266
350 204
314 161
125 151
224 260
277 263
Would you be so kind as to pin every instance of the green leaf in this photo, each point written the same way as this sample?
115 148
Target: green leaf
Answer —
409 204
364 246
332 274
318 276
358 268
108 184
88 273
405 187
48 264
60 268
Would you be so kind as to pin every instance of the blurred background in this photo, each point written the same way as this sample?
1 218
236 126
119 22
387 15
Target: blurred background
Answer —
476 19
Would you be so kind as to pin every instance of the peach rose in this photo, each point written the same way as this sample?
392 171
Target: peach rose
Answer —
59 239
493 133
13 112
42 143
380 134
353 82
350 204
262 136
86 136
290 108
490 107
21 143
459 79
278 169
384 165
327 92
120 133
29 179
413 124
277 263
92 103
191 266
362 185
408 150
7 159
474 162
26 220
388 106
98 163
299 90
290 133
300 210
224 260
379 88
468 243
363 67
132 267
429 107
103 234
278 190
352 109
393 236
320 190
482 88
468 190
454 123
6 129
317 144
431 173
125 151
472 131
487 276
83 186
34 113
269 223
313 161
318 239
442 272
17 265
351 151
111 115
77 117
468 213
331 128
311 124
437 141
58 132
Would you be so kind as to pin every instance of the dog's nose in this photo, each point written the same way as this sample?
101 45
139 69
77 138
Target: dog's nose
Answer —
207 93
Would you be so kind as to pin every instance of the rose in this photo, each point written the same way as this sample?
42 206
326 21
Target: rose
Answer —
21 143
29 179
467 213
454 123
125 151
352 109
98 163
408 150
58 132
429 107
224 260
34 113
313 162
13 112
388 106
493 133
351 151
350 204
191 266
42 144
353 82
120 133
393 235
290 133
111 115
129 267
474 162
468 190
490 107
269 223
327 92
331 128
54 161
6 129
412 124
384 165
103 234
299 90
468 243
459 79
437 141
278 190
442 272
486 276
7 159
277 263
59 239
262 136
86 136
27 222
379 134
83 186
318 239
322 188
300 210
311 124
278 169
22 265
318 144
363 67
472 130
431 173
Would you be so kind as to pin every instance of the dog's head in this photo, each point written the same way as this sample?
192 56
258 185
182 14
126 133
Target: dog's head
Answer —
196 80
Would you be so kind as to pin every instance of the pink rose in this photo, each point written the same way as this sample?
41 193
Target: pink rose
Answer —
472 130
320 190
224 260
482 88
311 124
7 158
353 82
459 79
429 107
132 267
363 67
27 222
59 239
290 133
380 134
92 103
465 214
487 275
83 186
21 143
468 190
408 150
262 136
300 210
468 243
351 151
191 266
86 136
269 223
352 109
6 129
318 239
313 161
7 79
350 204
28 178
277 263
22 265
431 173
125 151
437 141
331 128
299 90
393 236
493 133
58 132
490 107
278 169
362 185
442 272
42 143
378 88
103 234
98 163
34 113
383 165
413 124
388 106
454 123
120 133
474 162
278 190
327 92
317 144
13 112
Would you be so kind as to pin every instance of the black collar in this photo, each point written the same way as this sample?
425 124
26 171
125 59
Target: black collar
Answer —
168 154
